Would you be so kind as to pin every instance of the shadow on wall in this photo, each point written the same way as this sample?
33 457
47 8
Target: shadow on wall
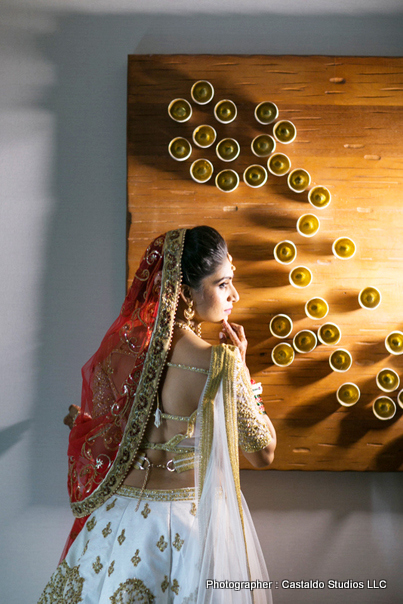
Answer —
84 257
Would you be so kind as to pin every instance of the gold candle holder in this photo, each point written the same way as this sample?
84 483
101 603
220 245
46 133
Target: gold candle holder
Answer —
285 252
255 176
384 408
348 394
316 308
319 197
299 180
266 112
225 111
344 248
300 277
340 360
179 148
281 326
263 145
204 136
279 164
201 170
180 110
369 298
304 341
308 225
329 334
227 149
284 132
202 92
227 180
394 342
283 354
387 380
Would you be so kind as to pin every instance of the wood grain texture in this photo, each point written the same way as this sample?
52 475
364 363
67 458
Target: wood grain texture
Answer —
348 114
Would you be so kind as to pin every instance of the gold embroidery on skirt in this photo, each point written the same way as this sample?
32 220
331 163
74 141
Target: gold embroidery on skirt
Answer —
136 558
178 542
122 537
165 584
97 566
107 530
65 585
91 523
85 547
111 568
146 510
162 544
111 505
193 509
175 587
135 590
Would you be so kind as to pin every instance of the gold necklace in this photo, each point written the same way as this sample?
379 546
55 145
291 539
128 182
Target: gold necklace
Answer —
187 327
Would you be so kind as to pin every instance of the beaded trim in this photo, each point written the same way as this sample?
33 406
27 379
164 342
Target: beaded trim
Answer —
188 367
184 494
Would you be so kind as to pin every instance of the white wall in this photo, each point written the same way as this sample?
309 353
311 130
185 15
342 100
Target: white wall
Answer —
62 223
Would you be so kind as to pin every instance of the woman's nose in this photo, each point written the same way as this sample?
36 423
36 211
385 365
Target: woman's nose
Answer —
234 294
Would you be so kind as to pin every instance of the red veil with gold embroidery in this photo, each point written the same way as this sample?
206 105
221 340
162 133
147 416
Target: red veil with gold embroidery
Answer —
120 381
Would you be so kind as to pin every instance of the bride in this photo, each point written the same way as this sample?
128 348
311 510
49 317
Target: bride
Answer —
153 451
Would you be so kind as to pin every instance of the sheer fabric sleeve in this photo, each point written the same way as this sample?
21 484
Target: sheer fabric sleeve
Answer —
253 431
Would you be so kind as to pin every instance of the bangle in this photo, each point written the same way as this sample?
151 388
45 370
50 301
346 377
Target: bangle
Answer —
257 391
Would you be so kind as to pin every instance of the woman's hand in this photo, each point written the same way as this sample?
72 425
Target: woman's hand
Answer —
234 334
70 418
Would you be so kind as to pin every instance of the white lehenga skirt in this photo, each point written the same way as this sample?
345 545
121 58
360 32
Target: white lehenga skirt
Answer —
124 556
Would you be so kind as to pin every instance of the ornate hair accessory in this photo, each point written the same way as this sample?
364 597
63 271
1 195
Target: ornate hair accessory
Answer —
233 268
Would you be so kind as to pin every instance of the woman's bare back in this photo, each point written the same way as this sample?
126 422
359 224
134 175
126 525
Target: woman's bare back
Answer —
179 394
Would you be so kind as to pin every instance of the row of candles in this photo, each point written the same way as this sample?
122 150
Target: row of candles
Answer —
228 149
340 360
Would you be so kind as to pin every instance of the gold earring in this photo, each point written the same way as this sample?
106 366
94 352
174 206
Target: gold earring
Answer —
189 312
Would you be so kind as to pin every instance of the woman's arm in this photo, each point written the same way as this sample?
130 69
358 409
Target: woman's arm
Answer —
257 436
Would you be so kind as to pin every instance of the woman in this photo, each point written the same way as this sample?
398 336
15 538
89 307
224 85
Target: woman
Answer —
153 452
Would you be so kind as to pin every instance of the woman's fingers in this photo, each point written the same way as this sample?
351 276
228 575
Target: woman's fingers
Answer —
236 334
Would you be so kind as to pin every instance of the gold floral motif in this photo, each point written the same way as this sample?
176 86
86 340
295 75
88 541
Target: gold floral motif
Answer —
91 523
165 584
65 585
132 590
85 547
178 542
146 510
97 565
175 587
111 505
162 544
193 509
136 558
107 530
111 568
122 537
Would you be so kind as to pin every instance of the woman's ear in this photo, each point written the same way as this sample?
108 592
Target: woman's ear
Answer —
185 294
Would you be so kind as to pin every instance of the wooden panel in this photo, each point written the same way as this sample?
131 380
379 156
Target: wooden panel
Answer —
348 114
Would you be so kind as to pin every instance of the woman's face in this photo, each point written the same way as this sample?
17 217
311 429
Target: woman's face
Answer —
214 299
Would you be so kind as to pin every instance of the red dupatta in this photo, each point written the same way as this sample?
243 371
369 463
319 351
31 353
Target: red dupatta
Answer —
120 381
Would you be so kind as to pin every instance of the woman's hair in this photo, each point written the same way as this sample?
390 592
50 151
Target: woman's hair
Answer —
203 252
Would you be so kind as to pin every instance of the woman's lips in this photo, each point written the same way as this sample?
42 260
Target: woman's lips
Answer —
228 311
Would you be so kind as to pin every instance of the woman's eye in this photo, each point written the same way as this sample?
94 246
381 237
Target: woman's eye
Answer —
223 285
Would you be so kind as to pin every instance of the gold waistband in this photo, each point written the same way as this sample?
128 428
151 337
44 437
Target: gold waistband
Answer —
184 494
